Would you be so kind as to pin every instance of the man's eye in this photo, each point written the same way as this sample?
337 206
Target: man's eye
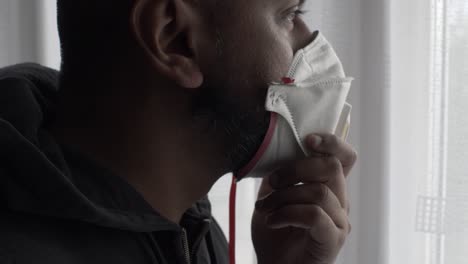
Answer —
294 14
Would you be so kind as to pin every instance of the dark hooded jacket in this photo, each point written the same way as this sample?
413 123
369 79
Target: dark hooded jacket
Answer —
59 206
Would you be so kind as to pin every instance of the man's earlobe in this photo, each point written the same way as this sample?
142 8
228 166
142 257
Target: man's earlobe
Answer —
186 72
165 32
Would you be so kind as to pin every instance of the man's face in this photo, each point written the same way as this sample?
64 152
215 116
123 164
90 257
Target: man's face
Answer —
253 44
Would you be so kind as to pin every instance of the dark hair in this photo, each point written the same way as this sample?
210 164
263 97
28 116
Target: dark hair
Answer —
91 31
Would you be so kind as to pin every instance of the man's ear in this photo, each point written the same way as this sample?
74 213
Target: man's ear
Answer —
166 31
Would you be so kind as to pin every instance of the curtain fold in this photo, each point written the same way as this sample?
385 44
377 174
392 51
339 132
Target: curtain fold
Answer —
409 104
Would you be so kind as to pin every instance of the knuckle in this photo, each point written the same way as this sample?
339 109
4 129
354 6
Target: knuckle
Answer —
335 165
354 157
322 192
315 211
344 233
332 141
342 238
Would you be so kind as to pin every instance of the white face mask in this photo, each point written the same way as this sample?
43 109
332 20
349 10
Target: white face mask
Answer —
312 99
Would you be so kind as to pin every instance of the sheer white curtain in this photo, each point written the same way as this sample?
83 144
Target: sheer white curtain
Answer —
443 205
410 60
429 131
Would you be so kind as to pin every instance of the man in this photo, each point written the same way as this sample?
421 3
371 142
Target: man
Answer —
157 100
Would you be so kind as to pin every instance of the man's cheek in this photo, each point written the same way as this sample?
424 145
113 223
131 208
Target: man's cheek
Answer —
278 65
278 58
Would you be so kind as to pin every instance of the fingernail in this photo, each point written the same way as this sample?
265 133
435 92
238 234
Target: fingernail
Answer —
314 141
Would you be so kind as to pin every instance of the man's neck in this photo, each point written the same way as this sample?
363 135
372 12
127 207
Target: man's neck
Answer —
158 152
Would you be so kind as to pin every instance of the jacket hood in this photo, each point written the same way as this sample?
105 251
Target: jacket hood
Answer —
39 176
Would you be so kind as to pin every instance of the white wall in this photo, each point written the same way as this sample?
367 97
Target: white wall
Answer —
49 40
19 31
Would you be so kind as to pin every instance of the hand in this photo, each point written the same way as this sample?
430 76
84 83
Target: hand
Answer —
302 216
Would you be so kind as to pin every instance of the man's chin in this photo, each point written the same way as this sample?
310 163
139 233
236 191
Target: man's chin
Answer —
241 123
247 142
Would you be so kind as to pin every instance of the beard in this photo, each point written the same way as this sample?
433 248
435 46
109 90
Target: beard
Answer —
232 105
241 127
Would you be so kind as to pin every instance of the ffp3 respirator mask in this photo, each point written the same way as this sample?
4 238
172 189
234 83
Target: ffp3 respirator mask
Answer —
310 99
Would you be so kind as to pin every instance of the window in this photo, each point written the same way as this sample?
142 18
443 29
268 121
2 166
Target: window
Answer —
443 212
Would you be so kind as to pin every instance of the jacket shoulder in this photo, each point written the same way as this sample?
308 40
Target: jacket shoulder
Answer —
40 240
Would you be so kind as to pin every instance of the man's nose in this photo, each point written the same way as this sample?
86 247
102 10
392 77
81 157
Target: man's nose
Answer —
304 36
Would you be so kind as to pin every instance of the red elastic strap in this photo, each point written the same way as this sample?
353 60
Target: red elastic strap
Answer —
287 80
232 222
